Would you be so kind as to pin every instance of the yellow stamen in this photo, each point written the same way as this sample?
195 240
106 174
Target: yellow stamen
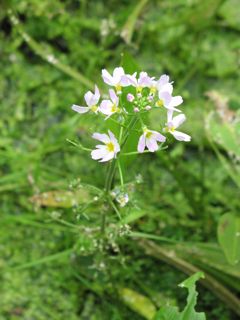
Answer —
170 129
94 108
110 146
114 108
148 134
153 90
118 88
139 89
159 103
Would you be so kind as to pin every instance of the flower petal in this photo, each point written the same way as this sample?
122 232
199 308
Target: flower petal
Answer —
158 136
88 96
108 157
99 153
79 109
107 78
106 107
141 143
152 144
178 120
103 137
176 101
180 136
117 74
113 97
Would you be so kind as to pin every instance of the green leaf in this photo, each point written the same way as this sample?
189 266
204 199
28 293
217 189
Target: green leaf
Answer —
189 313
137 302
229 237
230 12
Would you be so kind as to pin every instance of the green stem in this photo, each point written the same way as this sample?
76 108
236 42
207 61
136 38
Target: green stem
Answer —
120 174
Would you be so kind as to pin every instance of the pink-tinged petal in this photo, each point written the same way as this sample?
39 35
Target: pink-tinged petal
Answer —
105 107
88 96
164 79
132 80
178 120
180 136
176 101
95 97
80 109
141 143
107 78
169 115
118 73
152 144
101 137
99 153
113 97
108 157
158 136
166 87
166 97
124 81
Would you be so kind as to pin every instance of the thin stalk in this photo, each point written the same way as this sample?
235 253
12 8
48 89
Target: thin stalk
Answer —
120 174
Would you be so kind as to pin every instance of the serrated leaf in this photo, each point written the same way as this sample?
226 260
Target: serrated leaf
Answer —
189 313
229 237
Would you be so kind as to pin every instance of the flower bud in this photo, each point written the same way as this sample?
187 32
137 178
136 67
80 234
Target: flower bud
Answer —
130 97
148 108
136 109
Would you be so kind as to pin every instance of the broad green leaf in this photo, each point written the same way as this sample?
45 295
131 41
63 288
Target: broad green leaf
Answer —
189 313
229 237
137 302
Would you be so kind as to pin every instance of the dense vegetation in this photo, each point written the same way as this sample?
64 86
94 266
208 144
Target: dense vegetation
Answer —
184 213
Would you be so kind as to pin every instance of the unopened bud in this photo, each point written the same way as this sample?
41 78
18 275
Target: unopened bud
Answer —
130 97
136 109
148 108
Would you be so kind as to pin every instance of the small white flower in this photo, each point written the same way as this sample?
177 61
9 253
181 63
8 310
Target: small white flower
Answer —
91 101
118 79
109 107
168 101
108 150
122 199
162 84
149 139
175 122
142 82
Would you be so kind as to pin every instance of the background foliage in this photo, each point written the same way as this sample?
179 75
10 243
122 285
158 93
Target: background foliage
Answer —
188 203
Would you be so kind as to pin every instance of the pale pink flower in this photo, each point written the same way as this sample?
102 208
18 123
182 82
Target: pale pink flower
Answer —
117 80
173 123
150 140
108 150
109 107
168 101
139 83
162 84
91 101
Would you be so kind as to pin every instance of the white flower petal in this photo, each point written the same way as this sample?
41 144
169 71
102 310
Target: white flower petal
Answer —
106 107
107 78
108 157
152 144
141 143
103 137
113 97
99 153
176 101
117 74
79 109
180 136
178 120
88 96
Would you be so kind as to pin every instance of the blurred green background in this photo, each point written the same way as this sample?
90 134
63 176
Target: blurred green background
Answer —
52 52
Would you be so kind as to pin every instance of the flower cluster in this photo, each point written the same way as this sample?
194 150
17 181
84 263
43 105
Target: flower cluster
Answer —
146 93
